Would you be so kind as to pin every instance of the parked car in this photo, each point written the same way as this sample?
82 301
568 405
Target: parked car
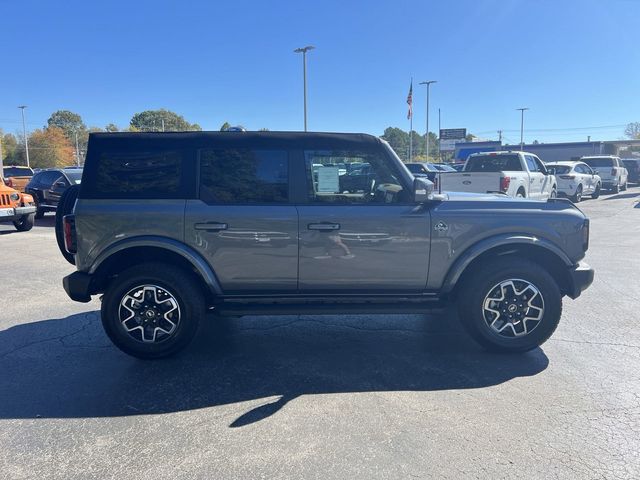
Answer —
47 186
633 169
516 174
611 171
423 169
17 176
575 179
16 207
150 231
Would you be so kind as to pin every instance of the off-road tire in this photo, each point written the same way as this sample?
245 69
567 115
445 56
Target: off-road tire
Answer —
480 282
180 284
65 207
25 222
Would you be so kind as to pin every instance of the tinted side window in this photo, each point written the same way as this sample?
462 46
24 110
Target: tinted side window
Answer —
244 176
348 177
139 174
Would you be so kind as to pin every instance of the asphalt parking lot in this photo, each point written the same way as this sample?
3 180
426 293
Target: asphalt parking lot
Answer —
396 396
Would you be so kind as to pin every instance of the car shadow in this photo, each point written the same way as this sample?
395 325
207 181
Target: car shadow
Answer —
618 196
49 220
67 368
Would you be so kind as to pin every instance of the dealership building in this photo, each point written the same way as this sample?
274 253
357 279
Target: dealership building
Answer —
550 152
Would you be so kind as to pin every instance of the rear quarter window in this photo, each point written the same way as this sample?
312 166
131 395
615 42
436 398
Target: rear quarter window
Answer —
142 174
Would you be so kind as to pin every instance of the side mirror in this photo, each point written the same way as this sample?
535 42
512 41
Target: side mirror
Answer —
422 190
595 172
60 184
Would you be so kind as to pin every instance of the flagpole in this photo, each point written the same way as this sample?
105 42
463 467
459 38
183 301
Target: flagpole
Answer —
411 138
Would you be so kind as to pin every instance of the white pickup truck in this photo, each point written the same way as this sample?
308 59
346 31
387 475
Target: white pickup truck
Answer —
517 174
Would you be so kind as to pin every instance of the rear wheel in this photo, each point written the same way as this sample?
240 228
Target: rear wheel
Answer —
578 195
25 222
553 193
521 194
65 207
596 192
152 310
624 187
616 188
510 305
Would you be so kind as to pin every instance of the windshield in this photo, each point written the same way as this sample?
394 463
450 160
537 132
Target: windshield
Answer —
598 162
17 172
493 163
443 168
75 176
558 169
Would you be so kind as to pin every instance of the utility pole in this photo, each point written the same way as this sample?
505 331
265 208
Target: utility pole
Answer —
163 124
439 128
500 136
77 150
24 132
522 109
1 158
428 84
304 51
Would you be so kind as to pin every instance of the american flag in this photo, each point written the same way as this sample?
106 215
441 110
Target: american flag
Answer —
410 101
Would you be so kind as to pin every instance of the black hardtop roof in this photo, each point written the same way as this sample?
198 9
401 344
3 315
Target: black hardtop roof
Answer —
148 139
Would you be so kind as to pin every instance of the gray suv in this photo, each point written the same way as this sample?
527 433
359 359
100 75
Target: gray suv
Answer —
171 226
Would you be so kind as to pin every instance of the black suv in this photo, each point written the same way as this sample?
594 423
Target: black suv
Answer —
47 186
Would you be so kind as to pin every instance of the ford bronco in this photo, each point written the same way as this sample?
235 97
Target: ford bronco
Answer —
168 227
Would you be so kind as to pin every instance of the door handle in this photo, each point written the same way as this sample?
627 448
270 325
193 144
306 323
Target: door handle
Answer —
324 226
211 226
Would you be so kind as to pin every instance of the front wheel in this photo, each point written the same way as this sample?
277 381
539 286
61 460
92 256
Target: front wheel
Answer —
510 305
152 310
25 222
596 192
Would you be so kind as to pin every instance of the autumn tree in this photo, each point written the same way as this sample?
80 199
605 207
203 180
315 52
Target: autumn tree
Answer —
161 120
48 148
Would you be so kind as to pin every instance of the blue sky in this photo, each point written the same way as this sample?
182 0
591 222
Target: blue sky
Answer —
574 63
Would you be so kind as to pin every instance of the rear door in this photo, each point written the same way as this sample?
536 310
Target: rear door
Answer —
242 220
359 233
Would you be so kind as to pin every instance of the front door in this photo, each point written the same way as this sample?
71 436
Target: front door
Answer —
242 222
359 230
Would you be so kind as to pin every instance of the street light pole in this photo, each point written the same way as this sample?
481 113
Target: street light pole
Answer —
304 51
428 84
522 126
24 132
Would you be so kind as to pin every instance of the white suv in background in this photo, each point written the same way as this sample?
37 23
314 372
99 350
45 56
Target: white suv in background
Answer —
611 171
575 179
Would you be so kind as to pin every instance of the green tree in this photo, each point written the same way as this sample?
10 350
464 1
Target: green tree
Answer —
224 126
10 148
111 127
70 123
398 139
153 121
632 130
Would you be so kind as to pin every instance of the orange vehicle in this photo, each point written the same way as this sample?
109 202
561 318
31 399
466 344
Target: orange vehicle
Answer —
17 176
16 207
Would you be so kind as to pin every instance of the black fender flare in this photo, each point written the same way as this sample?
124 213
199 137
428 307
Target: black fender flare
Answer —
170 244
473 252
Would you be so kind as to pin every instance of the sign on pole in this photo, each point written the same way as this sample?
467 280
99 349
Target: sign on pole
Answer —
453 133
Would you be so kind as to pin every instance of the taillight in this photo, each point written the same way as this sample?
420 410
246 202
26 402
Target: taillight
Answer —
504 183
568 177
69 225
